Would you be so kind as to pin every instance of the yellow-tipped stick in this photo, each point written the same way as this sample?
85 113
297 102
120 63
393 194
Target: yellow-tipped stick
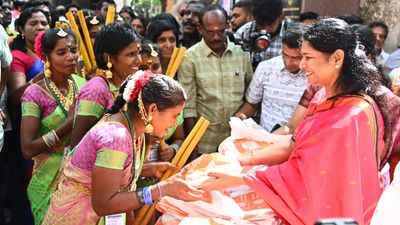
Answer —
81 45
143 211
177 62
171 61
110 14
86 35
181 162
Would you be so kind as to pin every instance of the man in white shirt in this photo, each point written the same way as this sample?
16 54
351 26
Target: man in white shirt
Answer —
277 83
380 30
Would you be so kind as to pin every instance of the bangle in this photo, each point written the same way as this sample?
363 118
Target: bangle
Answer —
139 195
159 190
55 136
175 146
148 200
51 139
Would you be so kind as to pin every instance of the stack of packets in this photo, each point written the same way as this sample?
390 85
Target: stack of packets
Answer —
237 205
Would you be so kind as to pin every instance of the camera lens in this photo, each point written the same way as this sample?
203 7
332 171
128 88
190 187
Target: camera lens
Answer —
261 43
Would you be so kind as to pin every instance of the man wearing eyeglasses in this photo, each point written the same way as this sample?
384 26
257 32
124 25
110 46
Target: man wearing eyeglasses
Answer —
215 73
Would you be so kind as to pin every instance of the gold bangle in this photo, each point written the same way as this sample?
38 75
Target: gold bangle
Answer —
55 136
44 137
252 158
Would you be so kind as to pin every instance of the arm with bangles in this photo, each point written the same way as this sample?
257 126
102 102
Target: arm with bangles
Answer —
33 145
276 153
272 155
107 199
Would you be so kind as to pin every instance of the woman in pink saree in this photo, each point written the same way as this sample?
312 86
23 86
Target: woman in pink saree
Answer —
330 166
100 179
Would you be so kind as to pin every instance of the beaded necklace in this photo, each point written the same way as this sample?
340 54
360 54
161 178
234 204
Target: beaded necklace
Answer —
138 154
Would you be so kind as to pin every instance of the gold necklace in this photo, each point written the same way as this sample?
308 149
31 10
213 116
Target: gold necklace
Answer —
66 102
137 143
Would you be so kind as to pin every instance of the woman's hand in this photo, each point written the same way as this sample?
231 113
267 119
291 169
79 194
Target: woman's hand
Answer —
222 179
156 169
246 160
179 189
166 153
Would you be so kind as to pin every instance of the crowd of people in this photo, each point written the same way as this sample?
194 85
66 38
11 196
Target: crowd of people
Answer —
83 145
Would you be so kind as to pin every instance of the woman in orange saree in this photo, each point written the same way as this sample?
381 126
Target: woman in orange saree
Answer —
330 168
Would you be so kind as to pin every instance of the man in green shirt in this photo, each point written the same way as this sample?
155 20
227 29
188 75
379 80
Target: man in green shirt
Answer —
215 73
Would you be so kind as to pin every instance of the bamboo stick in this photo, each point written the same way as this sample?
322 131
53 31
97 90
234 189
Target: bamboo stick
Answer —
171 61
110 14
177 62
181 162
143 211
88 41
81 45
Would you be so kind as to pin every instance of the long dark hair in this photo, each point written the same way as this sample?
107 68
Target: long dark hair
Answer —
19 42
162 90
357 75
112 39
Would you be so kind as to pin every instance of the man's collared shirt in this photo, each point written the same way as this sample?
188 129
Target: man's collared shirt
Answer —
215 87
278 90
275 45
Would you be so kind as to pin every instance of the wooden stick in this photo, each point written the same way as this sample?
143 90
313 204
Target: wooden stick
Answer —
181 162
143 211
81 45
110 14
177 62
171 61
86 35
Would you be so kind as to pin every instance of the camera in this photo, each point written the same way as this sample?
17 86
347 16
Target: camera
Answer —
255 41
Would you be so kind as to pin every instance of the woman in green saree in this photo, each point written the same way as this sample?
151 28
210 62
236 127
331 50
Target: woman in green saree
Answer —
47 115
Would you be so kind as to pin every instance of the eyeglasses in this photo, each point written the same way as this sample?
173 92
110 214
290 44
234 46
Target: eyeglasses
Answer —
212 33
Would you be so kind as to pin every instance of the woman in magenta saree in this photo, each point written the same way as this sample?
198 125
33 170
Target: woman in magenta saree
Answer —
330 168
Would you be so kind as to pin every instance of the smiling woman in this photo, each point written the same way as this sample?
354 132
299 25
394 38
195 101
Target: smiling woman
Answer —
116 50
47 114
165 35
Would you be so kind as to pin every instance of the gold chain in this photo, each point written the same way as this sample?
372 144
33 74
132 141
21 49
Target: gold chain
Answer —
65 102
137 143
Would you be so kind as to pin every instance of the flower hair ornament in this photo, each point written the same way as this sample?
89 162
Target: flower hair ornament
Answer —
38 45
133 91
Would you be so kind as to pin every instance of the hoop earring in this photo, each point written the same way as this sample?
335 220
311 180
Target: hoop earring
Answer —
47 71
109 74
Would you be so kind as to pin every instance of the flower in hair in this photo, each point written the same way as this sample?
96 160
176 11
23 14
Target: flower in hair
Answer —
135 84
38 45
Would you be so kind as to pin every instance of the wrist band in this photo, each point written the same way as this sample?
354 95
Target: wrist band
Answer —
159 190
175 146
139 195
148 200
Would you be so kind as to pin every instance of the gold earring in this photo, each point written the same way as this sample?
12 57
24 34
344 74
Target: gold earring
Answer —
47 71
149 127
109 74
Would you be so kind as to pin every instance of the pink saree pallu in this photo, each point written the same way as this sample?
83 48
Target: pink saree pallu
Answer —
72 203
333 170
